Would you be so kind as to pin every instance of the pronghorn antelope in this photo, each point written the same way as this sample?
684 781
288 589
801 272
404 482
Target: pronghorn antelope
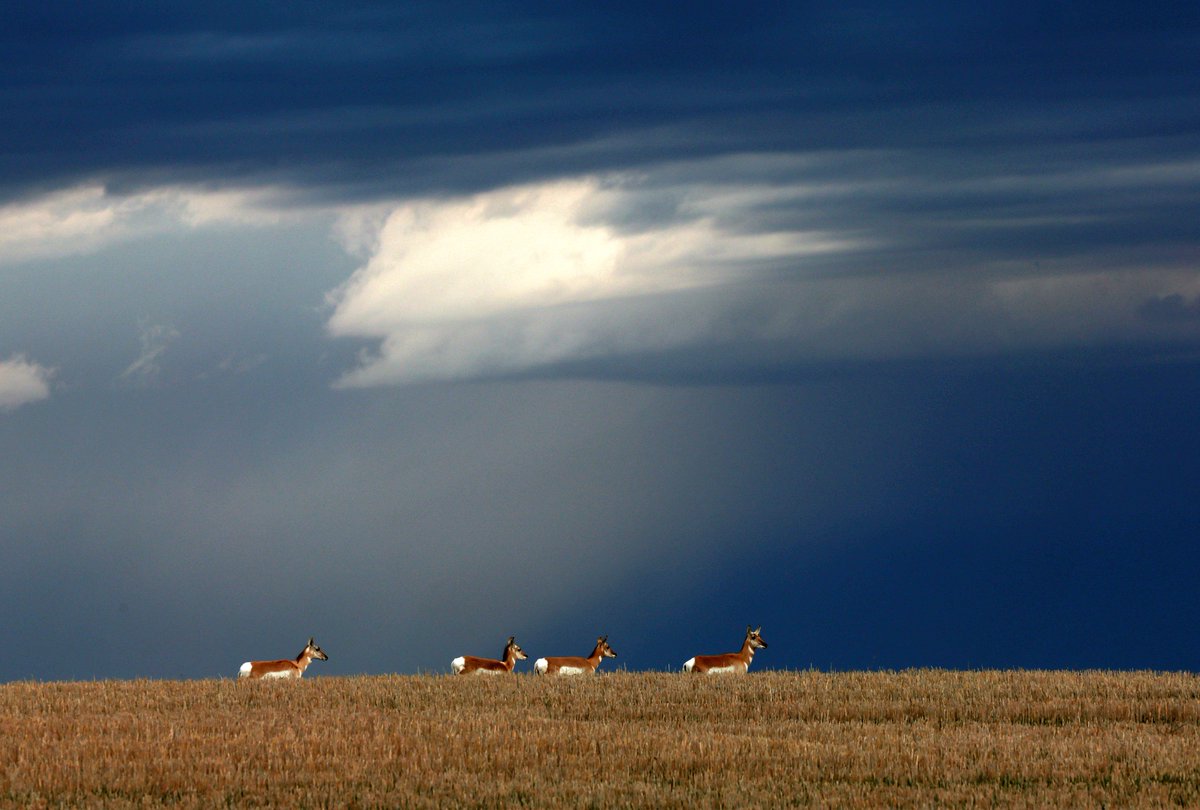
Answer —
729 662
284 668
467 664
568 665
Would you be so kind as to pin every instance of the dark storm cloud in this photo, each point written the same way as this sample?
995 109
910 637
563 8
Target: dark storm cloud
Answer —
378 99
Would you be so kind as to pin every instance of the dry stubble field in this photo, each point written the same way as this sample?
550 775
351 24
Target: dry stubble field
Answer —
924 738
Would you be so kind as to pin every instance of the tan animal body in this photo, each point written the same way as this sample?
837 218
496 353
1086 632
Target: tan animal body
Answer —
738 662
570 665
469 664
284 667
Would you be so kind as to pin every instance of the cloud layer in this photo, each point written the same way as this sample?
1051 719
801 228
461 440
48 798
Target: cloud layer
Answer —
369 99
761 263
87 218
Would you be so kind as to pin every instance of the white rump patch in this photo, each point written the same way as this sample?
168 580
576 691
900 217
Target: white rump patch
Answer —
688 664
540 666
244 672
457 664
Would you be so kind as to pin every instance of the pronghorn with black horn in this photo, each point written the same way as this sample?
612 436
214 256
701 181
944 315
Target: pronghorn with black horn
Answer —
738 662
569 665
284 667
468 664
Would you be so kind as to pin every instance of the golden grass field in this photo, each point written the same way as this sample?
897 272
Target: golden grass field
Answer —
859 739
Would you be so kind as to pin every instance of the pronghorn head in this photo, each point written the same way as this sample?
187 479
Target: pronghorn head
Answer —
313 651
755 638
515 649
605 650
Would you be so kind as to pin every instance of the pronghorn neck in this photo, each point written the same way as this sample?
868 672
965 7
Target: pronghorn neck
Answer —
303 659
747 653
510 658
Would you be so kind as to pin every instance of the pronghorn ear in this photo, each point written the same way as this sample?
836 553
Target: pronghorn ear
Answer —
759 630
310 641
511 639
749 628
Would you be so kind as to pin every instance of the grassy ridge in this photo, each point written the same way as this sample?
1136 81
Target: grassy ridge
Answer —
851 739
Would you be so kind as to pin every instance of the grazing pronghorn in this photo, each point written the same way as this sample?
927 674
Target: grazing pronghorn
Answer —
569 665
467 664
729 662
284 667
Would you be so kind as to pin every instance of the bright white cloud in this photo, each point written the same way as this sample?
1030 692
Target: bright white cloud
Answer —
82 220
22 382
520 278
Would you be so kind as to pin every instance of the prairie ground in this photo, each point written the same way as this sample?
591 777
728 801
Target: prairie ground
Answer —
856 739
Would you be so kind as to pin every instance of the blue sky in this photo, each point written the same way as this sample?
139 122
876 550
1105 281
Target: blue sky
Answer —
414 327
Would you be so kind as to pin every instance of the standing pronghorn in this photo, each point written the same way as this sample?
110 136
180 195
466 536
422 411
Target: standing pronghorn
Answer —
284 668
569 665
729 662
467 664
